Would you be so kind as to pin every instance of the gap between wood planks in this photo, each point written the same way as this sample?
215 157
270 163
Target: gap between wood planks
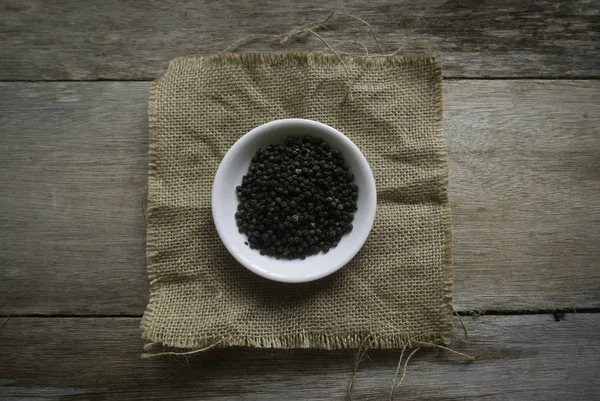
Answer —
474 313
452 78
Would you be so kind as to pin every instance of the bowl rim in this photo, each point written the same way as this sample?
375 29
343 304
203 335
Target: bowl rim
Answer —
247 139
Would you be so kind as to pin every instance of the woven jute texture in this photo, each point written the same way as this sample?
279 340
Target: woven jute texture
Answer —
397 289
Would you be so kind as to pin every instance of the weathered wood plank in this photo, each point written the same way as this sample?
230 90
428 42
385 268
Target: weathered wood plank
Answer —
72 178
517 357
524 186
525 193
72 40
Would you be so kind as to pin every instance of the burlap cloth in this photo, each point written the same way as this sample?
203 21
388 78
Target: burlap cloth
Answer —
398 288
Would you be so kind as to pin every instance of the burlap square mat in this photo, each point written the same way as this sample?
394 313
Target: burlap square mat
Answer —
397 289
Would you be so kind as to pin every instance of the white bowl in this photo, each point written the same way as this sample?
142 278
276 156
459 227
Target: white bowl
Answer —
224 202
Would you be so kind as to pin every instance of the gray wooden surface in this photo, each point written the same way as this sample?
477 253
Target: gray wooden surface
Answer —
518 357
114 39
524 189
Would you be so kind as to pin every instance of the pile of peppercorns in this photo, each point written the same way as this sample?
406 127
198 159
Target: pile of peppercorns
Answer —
297 199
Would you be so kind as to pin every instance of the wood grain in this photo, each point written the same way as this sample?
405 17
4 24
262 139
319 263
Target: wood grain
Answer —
134 40
525 193
517 357
72 176
524 187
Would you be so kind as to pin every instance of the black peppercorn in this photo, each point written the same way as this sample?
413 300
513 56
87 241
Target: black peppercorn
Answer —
297 199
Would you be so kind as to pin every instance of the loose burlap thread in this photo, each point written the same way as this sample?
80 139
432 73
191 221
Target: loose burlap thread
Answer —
398 288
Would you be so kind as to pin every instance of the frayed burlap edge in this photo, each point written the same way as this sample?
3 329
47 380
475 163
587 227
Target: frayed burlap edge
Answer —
151 251
324 341
447 213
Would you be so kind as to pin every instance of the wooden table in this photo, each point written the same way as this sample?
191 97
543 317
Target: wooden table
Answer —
521 115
